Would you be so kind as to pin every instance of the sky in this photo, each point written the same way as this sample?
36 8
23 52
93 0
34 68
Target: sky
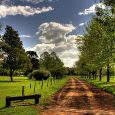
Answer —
49 25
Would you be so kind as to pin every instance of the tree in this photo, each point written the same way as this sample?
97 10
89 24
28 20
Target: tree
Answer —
97 49
40 74
34 59
106 17
14 51
50 61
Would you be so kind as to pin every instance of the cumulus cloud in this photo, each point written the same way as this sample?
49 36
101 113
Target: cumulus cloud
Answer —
56 37
92 9
54 32
40 48
22 10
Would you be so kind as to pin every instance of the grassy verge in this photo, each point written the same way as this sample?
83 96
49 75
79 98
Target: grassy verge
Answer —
8 88
110 87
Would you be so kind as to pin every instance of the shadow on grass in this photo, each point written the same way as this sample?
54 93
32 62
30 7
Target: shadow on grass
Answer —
10 81
110 88
102 83
18 103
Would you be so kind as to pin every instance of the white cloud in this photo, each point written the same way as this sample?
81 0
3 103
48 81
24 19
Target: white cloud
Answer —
54 32
40 48
38 1
33 1
92 9
55 37
25 36
22 10
81 24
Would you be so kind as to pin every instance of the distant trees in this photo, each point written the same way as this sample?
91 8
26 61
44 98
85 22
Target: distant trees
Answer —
97 49
40 74
32 55
34 59
50 61
15 55
57 73
70 71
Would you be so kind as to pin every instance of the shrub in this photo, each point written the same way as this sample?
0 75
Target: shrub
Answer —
57 73
29 75
41 74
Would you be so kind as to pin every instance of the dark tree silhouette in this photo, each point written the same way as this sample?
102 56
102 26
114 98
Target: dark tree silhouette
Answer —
34 59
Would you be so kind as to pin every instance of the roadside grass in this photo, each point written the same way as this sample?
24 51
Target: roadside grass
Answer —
14 88
108 86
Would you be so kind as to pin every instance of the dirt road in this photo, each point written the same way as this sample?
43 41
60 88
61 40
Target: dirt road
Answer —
79 98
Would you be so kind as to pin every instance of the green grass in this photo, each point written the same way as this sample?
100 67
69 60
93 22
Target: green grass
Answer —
108 86
8 88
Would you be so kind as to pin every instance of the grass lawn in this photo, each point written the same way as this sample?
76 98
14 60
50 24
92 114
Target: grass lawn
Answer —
8 88
110 87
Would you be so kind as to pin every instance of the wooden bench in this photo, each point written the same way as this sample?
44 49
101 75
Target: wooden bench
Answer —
9 99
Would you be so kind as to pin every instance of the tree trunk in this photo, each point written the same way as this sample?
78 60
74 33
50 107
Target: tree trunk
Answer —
89 75
95 75
108 73
11 73
100 74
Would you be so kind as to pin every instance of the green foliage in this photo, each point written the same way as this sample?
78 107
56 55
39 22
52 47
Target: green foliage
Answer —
29 75
40 74
98 43
16 57
71 71
57 73
49 61
34 59
110 3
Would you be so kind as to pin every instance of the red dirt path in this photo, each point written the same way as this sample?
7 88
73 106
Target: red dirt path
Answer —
79 98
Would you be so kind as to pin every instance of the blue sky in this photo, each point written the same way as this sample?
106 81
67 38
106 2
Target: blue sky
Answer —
57 18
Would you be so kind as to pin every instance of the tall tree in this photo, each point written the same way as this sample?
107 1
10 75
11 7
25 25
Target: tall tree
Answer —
106 17
97 49
14 51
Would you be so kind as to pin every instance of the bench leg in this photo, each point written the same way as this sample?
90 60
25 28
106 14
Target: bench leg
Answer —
36 100
8 102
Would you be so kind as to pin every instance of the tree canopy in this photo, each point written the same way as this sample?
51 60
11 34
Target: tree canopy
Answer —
15 55
98 43
50 61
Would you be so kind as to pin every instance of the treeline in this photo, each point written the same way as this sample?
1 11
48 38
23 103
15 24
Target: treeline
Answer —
47 65
97 46
15 61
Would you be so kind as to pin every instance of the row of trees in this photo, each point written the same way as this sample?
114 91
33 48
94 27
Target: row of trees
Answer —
47 63
97 47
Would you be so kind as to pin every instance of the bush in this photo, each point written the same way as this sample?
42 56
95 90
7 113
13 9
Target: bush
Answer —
57 73
30 75
40 74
